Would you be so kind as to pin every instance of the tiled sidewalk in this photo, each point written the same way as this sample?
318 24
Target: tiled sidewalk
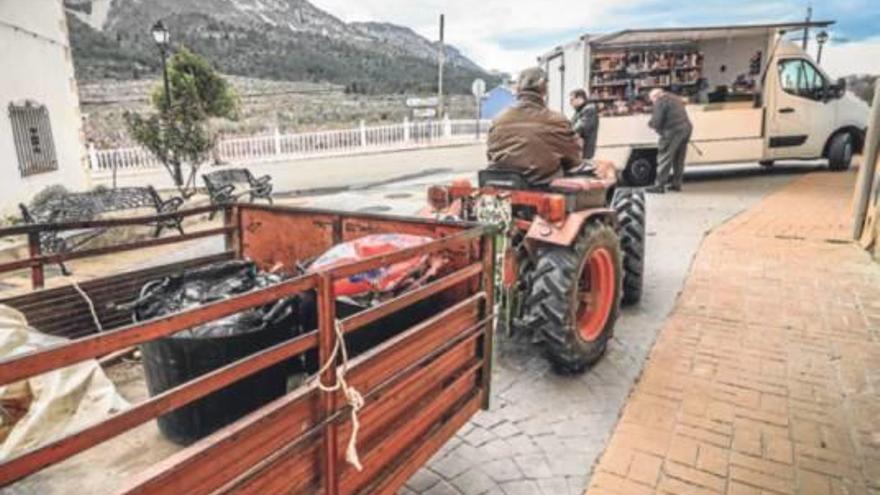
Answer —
766 377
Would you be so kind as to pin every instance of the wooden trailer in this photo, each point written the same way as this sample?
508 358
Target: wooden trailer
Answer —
419 387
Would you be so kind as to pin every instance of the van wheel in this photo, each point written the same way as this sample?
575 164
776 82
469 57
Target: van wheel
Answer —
574 297
639 172
840 152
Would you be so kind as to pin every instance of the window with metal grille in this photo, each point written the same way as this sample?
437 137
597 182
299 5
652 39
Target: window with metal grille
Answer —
33 138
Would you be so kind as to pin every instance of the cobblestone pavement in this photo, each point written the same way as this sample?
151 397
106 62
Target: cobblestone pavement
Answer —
544 432
766 377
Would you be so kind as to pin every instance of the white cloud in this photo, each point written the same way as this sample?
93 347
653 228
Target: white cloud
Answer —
856 57
478 28
510 34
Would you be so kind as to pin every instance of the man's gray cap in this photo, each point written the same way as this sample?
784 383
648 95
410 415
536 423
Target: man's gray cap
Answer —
531 79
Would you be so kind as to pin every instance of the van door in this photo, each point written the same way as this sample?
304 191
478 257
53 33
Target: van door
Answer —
797 119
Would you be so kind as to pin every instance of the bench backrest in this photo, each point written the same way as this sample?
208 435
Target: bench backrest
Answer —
87 205
228 176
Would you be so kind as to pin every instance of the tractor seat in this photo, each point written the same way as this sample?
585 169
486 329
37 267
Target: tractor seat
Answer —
503 179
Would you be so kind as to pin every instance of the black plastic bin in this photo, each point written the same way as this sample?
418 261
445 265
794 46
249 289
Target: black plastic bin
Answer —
171 361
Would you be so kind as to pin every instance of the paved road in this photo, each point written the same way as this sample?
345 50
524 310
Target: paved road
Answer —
340 171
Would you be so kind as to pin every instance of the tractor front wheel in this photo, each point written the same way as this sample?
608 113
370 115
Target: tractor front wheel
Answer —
574 297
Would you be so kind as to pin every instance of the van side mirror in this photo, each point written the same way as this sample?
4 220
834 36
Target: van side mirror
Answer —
840 87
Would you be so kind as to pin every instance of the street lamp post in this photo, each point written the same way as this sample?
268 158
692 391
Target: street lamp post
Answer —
162 38
821 39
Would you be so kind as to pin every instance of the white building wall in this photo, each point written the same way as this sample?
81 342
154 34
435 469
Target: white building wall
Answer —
36 65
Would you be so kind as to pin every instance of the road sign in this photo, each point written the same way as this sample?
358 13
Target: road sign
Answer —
431 101
478 88
424 113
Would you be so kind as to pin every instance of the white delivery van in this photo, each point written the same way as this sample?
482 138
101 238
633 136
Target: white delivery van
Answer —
752 96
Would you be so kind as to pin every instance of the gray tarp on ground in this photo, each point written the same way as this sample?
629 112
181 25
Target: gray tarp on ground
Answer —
55 403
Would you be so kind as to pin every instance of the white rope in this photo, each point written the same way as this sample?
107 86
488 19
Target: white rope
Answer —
352 396
91 306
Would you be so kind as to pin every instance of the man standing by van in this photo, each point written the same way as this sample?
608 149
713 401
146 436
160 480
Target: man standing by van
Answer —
671 122
585 121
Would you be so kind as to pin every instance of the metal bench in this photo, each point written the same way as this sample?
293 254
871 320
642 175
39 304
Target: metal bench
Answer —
72 207
226 186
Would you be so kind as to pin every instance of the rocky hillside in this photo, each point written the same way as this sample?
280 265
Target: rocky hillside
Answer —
265 105
274 39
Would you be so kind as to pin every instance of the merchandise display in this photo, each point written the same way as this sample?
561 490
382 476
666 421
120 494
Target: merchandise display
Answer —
621 80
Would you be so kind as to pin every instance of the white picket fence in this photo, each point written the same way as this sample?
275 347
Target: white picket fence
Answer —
277 146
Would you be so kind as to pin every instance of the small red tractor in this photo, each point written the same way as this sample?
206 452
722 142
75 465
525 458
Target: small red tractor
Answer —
571 253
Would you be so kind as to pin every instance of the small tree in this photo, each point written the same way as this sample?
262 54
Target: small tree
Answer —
180 134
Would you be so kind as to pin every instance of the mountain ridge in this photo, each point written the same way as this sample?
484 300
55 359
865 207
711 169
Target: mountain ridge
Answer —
276 39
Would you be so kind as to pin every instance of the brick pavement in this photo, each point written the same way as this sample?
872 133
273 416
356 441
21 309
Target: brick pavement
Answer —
766 377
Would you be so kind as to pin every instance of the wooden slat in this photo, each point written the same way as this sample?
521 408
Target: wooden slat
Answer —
62 311
289 463
402 435
58 356
169 400
361 266
218 458
118 248
398 400
488 287
379 364
49 296
375 313
412 460
327 341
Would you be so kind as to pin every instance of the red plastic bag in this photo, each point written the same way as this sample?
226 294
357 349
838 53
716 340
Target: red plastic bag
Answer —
382 279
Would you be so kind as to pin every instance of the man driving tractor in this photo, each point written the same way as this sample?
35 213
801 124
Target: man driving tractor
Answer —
532 138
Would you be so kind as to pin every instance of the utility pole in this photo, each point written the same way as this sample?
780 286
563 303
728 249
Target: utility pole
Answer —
441 59
807 27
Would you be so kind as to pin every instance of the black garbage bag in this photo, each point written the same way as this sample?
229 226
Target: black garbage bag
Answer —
183 356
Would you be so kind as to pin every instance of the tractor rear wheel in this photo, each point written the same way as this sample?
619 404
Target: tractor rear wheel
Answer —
630 207
574 297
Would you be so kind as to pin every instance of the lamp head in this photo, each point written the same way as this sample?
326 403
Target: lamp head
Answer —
160 34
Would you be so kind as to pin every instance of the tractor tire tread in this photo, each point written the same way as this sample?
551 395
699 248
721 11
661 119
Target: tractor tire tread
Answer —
548 306
629 204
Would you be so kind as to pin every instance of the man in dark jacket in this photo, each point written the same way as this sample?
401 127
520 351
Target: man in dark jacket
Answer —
532 138
585 121
671 122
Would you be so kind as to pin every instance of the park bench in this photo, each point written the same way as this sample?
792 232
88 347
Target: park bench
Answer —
226 186
83 206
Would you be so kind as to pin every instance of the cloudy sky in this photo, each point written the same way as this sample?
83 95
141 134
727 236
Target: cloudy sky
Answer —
509 34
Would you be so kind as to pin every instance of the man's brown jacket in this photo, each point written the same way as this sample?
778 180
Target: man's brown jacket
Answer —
532 138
